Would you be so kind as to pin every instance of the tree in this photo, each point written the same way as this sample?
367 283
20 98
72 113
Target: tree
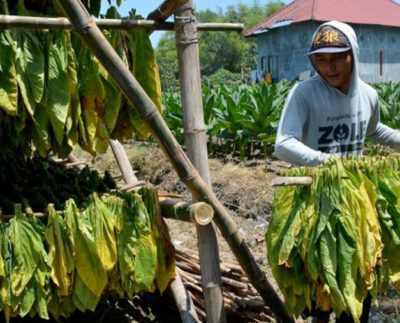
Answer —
167 60
218 50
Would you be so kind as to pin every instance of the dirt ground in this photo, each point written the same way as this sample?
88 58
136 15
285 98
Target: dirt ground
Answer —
244 189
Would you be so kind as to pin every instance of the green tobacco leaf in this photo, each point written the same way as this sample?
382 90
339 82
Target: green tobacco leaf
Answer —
87 261
41 135
112 103
144 65
74 110
126 244
92 94
144 68
328 256
58 84
30 67
146 257
27 250
136 247
165 249
113 99
8 77
60 252
83 298
102 222
27 300
30 271
145 264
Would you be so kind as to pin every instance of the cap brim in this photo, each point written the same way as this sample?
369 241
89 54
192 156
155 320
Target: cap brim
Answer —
329 50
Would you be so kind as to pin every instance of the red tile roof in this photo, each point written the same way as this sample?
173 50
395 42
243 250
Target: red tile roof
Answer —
370 12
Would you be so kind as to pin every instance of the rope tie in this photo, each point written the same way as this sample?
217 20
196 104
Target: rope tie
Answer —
181 22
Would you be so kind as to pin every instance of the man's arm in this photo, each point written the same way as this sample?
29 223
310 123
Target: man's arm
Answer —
288 144
387 136
380 133
295 152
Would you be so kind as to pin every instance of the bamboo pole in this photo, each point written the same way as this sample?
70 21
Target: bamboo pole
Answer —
187 311
166 9
75 162
92 36
289 180
196 147
123 163
132 186
200 213
27 22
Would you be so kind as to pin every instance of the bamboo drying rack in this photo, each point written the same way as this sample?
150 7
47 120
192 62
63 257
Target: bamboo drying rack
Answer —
186 32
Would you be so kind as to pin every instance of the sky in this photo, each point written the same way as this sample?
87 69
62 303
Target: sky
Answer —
144 7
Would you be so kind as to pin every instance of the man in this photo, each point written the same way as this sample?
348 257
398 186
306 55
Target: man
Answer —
333 112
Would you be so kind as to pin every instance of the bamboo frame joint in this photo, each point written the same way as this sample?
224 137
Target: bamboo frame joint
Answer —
202 213
194 132
212 286
187 41
183 20
195 174
150 114
82 28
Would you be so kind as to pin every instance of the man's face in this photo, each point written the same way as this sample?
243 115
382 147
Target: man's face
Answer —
336 69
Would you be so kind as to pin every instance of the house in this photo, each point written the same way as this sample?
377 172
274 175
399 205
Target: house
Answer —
283 38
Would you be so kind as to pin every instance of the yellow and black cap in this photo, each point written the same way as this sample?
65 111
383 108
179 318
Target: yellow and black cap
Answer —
329 40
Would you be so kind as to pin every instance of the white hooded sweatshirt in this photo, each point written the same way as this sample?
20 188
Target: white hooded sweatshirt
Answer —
319 121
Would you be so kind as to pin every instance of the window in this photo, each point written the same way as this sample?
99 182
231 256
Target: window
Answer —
263 63
273 65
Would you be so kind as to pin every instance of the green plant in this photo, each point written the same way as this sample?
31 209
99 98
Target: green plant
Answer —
389 100
239 120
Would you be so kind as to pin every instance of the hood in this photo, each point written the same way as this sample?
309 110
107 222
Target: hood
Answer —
351 36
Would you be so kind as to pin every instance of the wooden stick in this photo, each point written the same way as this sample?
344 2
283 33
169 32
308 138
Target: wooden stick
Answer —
185 266
287 180
234 283
227 265
237 295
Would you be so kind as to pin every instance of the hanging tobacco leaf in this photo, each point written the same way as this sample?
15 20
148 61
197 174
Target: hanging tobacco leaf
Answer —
8 78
